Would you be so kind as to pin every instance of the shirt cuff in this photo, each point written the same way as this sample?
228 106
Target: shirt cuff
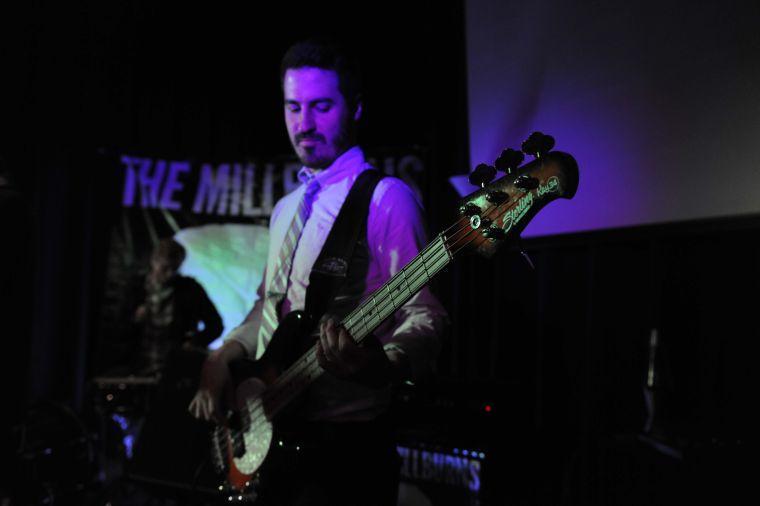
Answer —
247 335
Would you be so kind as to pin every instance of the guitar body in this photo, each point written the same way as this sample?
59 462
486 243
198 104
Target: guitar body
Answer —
241 446
292 338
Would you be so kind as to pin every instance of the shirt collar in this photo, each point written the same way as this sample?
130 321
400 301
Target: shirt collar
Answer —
351 160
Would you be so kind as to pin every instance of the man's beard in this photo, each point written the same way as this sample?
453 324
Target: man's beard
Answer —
342 142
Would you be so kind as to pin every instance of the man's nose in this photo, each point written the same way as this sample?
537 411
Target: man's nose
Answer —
306 121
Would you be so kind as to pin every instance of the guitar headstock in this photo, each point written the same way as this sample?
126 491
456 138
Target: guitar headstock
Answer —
500 210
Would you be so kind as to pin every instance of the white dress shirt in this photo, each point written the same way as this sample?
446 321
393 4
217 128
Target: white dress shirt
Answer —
395 235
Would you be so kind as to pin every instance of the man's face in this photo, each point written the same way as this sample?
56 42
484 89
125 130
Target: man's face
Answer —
161 268
320 124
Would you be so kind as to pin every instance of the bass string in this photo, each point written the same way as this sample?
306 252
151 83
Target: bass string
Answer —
308 363
258 411
297 368
388 296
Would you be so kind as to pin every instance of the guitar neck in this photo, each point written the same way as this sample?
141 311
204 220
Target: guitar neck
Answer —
489 217
361 322
398 290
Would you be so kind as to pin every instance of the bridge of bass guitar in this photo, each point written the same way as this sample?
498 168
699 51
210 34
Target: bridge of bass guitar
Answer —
240 446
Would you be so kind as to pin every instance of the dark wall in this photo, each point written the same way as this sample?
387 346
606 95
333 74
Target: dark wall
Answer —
574 334
655 98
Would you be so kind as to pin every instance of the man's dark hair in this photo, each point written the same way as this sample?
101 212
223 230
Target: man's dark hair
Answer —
327 55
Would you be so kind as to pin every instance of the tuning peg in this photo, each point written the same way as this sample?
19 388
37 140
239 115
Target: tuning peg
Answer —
509 160
526 182
494 233
538 144
482 175
497 197
469 209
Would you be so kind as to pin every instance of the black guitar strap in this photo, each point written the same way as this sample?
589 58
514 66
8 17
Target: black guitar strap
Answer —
337 260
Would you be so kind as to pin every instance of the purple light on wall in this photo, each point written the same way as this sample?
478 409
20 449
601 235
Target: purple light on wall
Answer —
663 125
608 194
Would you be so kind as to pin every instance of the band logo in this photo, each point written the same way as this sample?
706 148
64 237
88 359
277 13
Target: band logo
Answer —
244 189
227 189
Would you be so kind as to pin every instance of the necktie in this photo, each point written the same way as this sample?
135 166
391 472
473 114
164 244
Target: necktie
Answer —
279 285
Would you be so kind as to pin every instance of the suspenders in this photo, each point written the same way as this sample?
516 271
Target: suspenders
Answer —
338 255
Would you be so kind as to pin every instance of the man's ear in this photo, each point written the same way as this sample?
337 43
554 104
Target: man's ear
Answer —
358 110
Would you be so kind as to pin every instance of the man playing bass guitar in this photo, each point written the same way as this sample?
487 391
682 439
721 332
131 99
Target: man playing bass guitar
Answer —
349 456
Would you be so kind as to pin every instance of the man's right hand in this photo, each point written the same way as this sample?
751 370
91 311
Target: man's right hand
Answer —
215 383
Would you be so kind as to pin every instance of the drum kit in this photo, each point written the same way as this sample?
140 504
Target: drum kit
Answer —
61 458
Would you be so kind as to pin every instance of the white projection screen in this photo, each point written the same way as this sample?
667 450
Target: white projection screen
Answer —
658 101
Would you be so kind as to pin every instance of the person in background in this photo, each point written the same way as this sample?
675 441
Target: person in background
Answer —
176 312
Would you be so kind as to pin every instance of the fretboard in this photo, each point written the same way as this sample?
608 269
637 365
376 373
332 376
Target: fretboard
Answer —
398 290
361 322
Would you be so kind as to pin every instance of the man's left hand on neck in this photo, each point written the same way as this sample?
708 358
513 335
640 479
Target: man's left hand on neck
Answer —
340 355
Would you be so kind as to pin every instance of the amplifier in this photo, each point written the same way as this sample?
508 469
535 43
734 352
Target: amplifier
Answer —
464 443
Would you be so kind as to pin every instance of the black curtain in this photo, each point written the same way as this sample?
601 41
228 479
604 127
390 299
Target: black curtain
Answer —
178 80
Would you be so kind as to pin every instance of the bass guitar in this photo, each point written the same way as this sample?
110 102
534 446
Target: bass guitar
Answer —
490 217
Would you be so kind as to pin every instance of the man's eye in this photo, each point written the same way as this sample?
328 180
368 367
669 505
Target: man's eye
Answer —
292 107
323 107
